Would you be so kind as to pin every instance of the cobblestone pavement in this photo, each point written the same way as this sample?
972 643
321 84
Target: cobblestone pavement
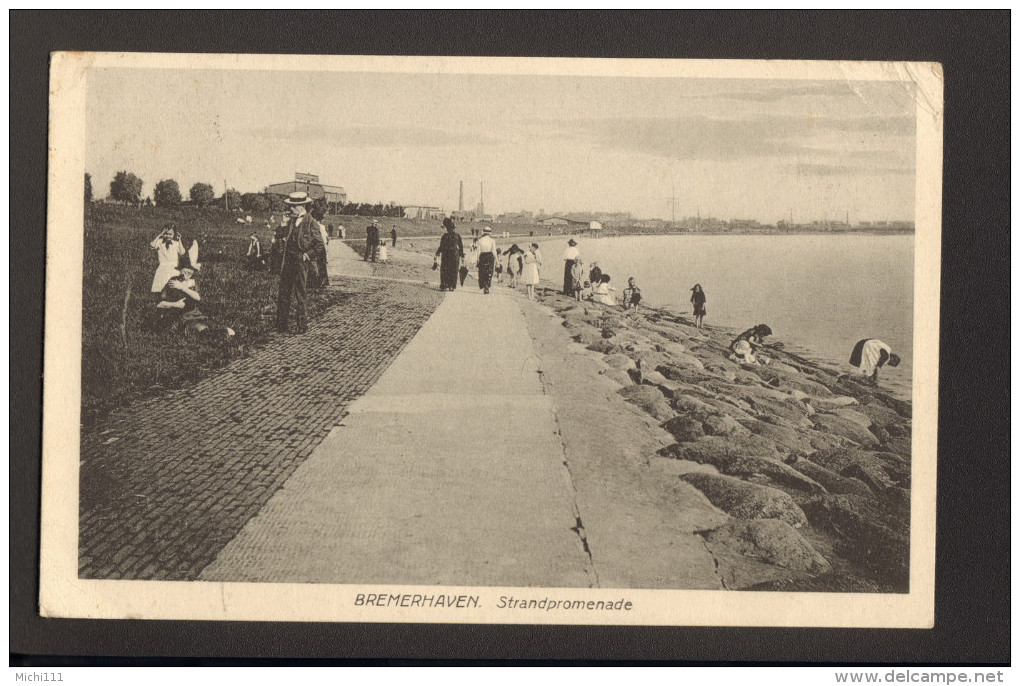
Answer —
167 483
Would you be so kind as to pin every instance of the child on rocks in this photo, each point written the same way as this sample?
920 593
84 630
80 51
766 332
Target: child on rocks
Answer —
631 295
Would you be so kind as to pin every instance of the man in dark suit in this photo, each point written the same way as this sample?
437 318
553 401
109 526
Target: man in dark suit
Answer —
302 242
372 241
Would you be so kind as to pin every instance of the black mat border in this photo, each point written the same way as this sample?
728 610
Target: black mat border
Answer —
972 577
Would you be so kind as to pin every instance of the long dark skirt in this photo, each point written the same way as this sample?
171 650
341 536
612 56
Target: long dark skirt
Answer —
858 352
568 279
486 262
448 271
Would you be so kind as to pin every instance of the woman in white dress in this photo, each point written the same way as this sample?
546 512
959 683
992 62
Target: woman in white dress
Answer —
602 293
530 276
169 250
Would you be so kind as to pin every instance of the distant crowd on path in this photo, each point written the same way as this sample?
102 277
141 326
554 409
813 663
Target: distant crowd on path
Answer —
298 255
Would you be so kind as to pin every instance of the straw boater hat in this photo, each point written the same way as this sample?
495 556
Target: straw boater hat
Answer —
487 229
298 198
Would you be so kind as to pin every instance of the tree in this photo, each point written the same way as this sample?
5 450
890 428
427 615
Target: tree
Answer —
126 187
319 207
88 187
277 204
167 193
255 202
202 194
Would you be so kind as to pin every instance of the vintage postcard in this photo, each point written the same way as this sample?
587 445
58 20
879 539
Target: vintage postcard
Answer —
491 340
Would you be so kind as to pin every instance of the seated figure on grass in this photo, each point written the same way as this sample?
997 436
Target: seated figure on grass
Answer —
180 298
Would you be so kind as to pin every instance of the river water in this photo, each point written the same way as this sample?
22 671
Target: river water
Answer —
820 293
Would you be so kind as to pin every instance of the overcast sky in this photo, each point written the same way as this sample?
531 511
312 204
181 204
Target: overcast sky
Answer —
755 149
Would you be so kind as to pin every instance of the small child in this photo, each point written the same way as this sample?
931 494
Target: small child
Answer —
383 254
577 275
631 294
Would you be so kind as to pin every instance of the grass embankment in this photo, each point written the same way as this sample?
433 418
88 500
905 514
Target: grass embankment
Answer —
126 353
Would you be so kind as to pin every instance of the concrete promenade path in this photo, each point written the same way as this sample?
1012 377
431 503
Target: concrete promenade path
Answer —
345 260
449 470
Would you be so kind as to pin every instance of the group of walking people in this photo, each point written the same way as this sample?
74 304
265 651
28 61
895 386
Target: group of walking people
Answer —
486 260
375 248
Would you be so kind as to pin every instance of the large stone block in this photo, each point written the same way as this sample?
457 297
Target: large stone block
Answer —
769 540
650 399
746 500
844 427
833 482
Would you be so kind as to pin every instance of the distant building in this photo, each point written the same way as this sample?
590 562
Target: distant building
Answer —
516 218
309 183
423 212
472 216
560 221
740 224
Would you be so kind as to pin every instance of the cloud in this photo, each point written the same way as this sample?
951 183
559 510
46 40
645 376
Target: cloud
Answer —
706 138
373 136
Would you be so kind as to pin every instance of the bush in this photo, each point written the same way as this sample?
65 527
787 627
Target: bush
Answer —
167 193
233 200
88 187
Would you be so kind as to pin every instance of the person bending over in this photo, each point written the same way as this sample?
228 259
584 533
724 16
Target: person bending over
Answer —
746 344
870 355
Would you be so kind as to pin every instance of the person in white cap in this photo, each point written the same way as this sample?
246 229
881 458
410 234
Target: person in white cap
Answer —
486 259
301 244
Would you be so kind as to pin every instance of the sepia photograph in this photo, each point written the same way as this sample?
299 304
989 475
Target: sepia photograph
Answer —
491 340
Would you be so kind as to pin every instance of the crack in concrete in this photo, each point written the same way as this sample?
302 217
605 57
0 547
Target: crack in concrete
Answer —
578 527
581 534
715 561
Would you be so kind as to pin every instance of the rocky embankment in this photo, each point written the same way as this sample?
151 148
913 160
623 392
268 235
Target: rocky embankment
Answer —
812 470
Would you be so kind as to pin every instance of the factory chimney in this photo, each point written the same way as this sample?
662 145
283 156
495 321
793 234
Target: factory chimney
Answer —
460 207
